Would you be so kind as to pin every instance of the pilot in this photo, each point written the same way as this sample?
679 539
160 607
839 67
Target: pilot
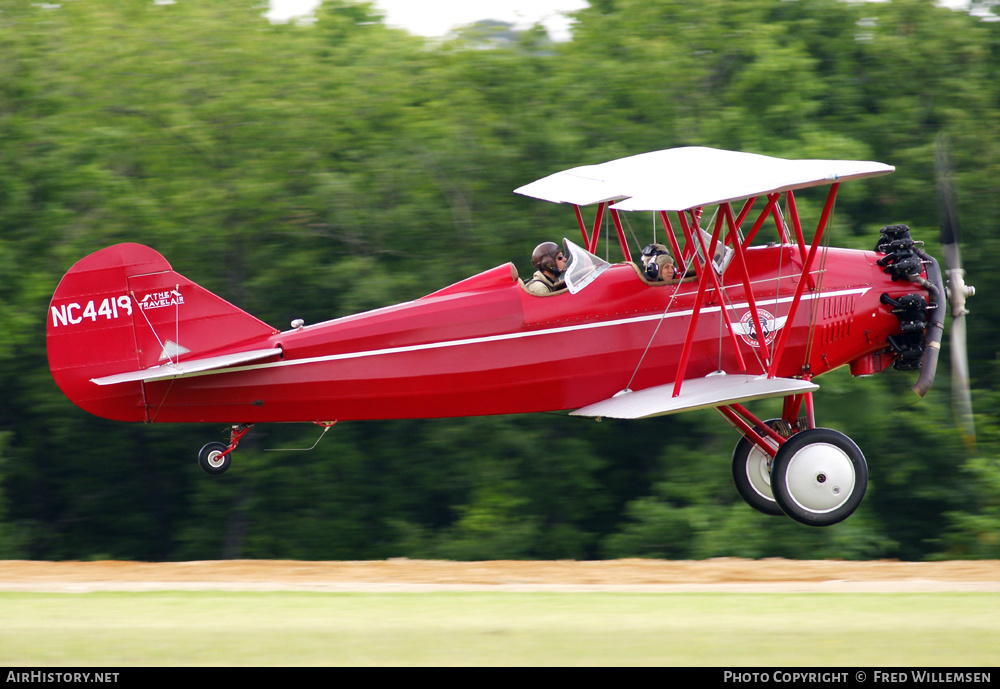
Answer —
551 264
657 263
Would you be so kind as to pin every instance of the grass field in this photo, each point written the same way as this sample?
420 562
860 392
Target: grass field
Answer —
460 628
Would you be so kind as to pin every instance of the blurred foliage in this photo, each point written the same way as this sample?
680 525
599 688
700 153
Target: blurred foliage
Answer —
314 170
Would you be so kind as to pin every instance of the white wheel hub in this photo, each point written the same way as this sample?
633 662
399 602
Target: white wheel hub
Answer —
820 477
216 459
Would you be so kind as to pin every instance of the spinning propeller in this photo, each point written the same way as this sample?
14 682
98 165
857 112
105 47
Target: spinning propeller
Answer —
957 290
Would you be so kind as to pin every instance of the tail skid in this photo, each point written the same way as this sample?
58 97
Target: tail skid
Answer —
122 316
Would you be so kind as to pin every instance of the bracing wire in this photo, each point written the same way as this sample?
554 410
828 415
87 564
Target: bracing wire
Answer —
652 337
632 232
177 322
151 328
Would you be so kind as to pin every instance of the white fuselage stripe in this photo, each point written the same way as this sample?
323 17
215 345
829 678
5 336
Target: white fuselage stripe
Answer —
518 335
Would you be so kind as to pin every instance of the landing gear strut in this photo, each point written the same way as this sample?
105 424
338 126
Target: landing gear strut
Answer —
752 472
215 458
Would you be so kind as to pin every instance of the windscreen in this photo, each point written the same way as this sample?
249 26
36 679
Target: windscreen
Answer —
583 267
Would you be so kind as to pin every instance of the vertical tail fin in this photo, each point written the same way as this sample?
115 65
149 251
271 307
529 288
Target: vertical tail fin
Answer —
124 309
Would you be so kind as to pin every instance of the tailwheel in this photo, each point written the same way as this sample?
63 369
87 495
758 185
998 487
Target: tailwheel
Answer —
819 477
752 470
214 459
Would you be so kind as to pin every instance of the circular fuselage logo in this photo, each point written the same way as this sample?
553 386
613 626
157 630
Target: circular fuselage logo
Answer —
750 334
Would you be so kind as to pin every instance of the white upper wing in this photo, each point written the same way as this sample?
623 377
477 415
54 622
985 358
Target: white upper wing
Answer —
680 178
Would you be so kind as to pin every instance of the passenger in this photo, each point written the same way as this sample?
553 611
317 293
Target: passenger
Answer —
657 263
551 264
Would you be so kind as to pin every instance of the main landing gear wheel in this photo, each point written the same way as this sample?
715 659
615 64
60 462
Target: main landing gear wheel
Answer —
211 459
819 477
752 474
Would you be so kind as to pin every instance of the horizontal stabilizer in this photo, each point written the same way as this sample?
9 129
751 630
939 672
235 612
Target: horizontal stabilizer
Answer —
187 368
714 390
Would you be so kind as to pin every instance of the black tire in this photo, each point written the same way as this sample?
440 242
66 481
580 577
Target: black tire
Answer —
751 474
819 477
211 460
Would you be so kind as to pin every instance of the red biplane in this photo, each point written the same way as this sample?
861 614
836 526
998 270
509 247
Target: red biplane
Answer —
130 339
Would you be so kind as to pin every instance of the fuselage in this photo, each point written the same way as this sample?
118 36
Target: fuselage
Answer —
485 346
